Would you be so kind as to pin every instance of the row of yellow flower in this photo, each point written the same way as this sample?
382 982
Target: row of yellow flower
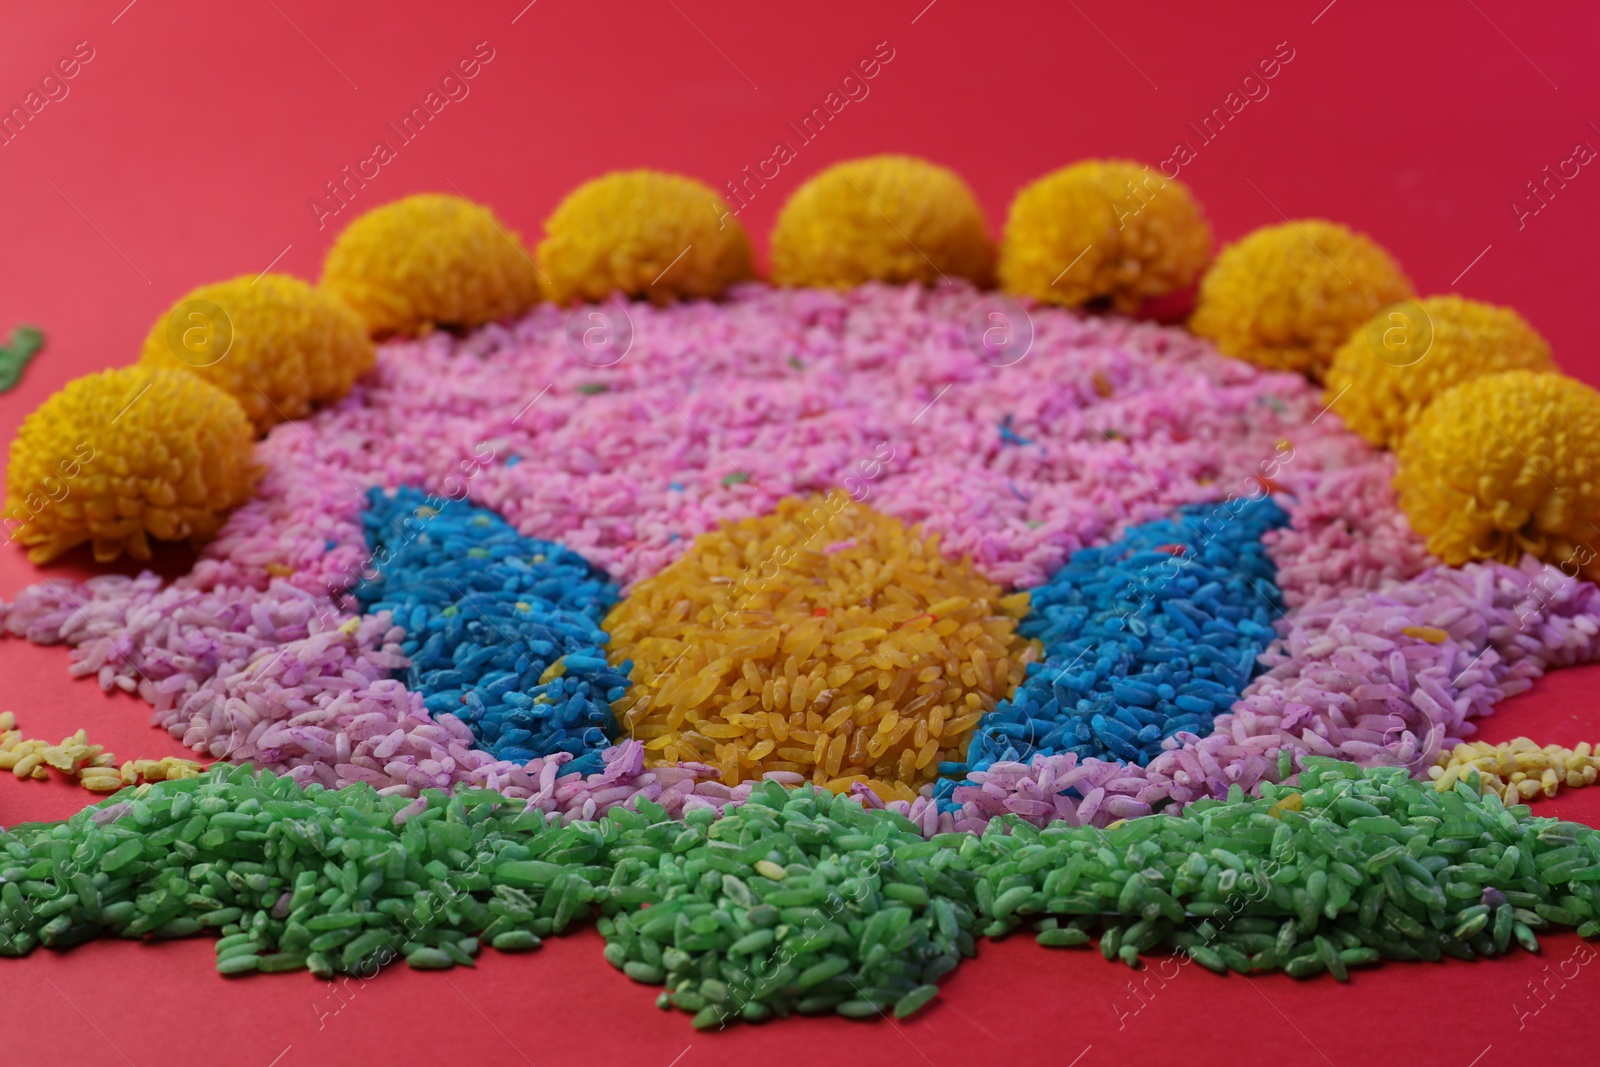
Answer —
1502 464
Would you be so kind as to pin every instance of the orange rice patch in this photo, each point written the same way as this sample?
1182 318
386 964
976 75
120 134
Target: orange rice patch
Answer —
825 639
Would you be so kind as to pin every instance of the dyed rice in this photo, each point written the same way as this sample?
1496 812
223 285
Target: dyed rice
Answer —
91 766
248 656
825 640
1517 770
1348 682
501 630
797 901
1148 637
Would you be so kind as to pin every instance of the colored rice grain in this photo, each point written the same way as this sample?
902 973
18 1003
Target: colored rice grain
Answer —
16 353
1348 681
1349 867
1517 770
826 640
32 759
502 630
1144 638
629 476
74 757
246 657
797 901
794 902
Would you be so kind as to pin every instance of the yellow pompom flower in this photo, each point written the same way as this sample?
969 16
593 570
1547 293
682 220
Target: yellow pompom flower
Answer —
643 233
1507 464
125 455
1407 354
1287 296
274 343
892 219
1103 230
430 260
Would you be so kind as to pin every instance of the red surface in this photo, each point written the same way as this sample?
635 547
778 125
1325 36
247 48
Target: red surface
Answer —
187 148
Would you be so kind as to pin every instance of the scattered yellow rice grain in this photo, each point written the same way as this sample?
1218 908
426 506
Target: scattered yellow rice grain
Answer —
1291 802
1518 770
847 633
74 757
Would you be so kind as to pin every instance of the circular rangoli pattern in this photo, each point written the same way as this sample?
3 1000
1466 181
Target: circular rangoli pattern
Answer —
1252 593
561 606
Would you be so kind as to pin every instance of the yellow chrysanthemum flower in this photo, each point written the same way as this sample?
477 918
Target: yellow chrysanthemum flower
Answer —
1407 354
1507 464
124 455
643 233
889 219
1103 230
274 343
430 260
1288 296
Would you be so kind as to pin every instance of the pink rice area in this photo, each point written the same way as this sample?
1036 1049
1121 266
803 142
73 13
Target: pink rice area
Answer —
257 654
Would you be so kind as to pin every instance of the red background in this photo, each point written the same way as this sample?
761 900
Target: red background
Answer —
186 152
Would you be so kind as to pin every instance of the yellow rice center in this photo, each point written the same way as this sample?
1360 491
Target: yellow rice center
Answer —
825 639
